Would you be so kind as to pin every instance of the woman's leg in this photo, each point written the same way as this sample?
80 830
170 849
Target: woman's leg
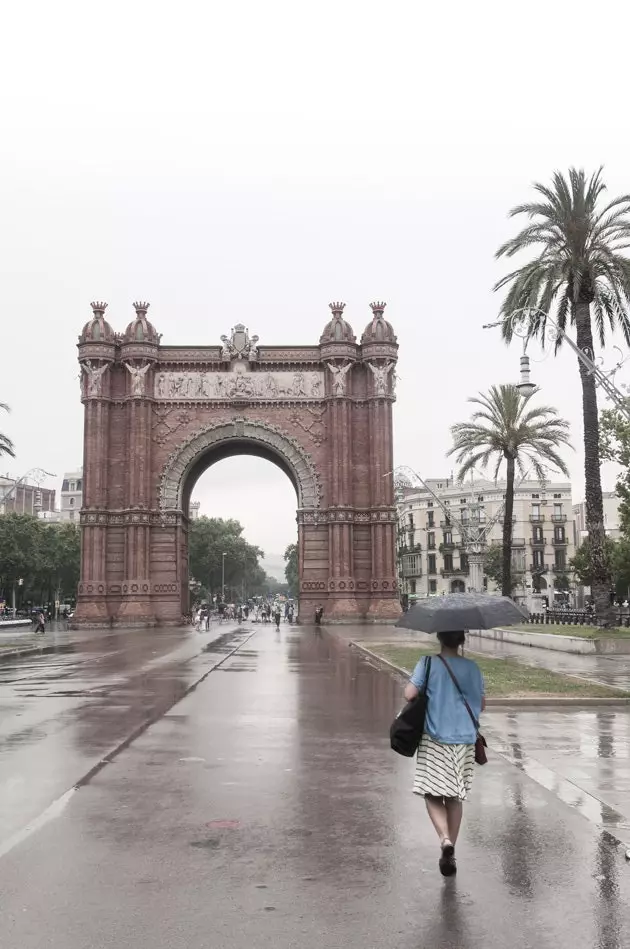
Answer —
454 814
439 816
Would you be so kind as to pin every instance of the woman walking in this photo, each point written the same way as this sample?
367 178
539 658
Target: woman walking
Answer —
446 755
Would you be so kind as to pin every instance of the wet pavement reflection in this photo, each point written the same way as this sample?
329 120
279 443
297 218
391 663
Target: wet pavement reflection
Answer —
265 809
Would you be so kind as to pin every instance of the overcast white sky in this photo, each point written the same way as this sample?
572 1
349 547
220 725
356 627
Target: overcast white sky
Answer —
248 161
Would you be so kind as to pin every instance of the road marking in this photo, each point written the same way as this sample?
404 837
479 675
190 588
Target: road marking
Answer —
54 810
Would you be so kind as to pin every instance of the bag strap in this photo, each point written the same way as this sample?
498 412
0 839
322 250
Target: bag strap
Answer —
427 673
459 689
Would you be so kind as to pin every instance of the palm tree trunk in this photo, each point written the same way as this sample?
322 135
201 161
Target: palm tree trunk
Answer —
602 578
506 573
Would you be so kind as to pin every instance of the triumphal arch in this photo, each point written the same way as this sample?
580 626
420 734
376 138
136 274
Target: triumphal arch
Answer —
157 416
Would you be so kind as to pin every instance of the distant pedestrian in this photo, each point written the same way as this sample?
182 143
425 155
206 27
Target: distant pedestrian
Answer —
446 756
277 615
41 623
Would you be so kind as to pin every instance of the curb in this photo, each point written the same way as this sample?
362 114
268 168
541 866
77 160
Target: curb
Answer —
35 650
506 702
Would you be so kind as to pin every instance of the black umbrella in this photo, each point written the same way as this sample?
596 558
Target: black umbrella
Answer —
454 611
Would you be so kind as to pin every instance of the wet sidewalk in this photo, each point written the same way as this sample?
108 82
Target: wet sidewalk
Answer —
266 810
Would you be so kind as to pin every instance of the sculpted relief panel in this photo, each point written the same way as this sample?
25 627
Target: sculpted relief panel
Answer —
234 385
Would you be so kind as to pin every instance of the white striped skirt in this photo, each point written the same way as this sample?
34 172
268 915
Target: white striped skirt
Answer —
444 770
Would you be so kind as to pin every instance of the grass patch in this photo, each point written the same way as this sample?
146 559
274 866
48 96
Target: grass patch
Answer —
582 632
505 678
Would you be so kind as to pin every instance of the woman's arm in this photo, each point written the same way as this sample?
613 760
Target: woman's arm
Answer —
411 691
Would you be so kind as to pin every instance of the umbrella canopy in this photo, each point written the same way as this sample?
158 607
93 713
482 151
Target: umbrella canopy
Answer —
454 611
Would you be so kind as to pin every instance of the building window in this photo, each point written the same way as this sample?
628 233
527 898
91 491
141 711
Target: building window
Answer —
557 495
535 495
518 560
464 515
431 563
432 586
463 561
71 502
557 510
539 537
412 586
539 558
536 511
448 561
411 521
558 534
412 566
561 560
73 486
431 541
448 537
480 498
79 485
430 521
429 503
71 515
463 500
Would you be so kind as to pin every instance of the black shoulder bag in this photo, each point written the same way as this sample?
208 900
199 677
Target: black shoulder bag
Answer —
480 744
407 728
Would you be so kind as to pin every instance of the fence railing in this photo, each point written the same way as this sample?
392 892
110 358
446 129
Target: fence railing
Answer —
574 618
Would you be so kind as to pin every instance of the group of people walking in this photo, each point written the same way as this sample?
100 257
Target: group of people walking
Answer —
256 611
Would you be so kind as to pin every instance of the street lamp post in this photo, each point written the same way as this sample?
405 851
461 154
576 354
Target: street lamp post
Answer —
223 577
524 320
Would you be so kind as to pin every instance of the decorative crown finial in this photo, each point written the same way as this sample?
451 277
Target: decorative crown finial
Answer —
141 308
98 308
378 309
337 309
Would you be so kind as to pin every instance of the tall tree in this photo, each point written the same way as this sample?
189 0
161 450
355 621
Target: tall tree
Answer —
6 445
210 538
504 429
579 271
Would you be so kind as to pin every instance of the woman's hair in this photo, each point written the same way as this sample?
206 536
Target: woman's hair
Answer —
453 638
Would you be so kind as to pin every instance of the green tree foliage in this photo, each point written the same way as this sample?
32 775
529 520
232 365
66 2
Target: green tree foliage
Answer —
578 269
291 569
210 538
45 556
505 429
493 567
617 555
615 446
6 445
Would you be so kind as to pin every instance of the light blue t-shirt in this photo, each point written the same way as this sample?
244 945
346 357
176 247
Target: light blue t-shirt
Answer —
447 718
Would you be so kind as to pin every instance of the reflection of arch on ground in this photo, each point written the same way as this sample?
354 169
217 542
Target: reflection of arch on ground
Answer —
224 440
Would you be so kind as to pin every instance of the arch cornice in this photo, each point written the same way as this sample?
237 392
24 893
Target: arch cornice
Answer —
288 449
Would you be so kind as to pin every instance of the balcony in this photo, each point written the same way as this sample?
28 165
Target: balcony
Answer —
536 518
448 545
411 572
560 567
537 542
558 518
538 568
559 541
455 572
518 542
446 524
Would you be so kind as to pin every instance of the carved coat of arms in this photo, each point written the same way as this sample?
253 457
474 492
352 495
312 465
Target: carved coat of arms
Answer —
240 345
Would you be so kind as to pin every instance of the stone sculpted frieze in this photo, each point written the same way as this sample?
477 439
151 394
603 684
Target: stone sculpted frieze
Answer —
227 386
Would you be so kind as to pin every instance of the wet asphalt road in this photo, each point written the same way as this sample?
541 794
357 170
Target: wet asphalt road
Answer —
264 809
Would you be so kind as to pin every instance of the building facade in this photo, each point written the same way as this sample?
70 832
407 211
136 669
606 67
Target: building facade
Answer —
431 556
611 518
23 498
71 495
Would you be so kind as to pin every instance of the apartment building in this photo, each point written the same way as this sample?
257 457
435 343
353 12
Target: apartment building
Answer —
431 556
71 495
22 497
611 518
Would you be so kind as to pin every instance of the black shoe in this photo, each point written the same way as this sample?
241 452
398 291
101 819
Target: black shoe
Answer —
447 864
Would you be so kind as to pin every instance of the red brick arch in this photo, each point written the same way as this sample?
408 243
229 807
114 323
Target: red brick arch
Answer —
157 416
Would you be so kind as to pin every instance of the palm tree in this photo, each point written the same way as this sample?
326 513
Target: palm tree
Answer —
505 429
580 271
6 445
